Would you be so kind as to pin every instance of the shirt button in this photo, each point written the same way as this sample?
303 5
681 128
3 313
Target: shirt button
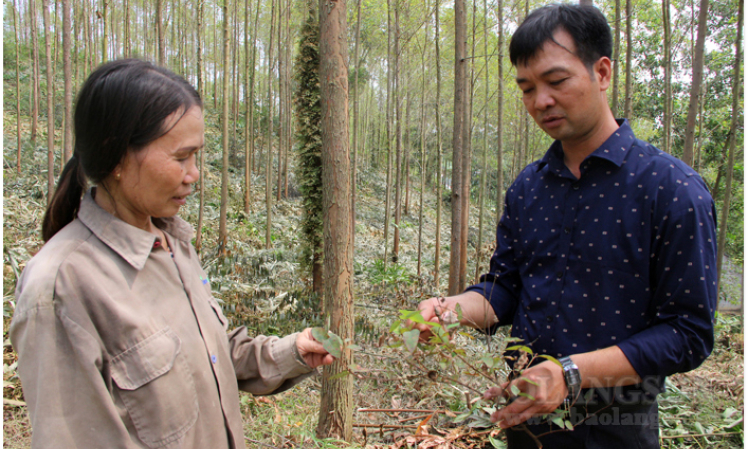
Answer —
567 230
559 275
549 318
575 187
214 359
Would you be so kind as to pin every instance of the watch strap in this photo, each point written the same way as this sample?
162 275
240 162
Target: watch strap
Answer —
572 377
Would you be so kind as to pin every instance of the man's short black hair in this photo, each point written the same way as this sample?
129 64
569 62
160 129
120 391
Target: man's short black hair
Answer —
585 24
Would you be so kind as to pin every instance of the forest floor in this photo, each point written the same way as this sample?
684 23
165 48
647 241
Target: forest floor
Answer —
268 291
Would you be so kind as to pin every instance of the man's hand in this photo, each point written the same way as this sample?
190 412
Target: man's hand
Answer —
312 351
545 388
431 309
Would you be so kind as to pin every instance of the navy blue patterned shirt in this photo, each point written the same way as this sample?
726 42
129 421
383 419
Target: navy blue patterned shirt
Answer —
625 255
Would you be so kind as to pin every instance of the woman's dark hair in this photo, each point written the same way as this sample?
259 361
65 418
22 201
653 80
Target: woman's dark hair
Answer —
121 107
585 24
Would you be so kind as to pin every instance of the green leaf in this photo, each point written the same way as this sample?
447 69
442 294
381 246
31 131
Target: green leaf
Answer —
552 359
520 348
525 395
334 345
559 421
497 444
568 425
354 347
515 390
410 339
320 334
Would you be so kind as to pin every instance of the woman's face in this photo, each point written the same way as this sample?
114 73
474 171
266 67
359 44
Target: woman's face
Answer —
155 181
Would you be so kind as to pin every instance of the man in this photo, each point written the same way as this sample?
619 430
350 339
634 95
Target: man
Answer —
605 253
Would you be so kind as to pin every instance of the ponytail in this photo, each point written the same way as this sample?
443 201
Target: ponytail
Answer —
67 198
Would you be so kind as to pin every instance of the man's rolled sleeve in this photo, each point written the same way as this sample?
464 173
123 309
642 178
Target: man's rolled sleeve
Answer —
684 284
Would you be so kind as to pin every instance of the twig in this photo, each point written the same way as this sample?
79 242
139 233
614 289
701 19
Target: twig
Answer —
13 402
396 410
697 435
414 418
385 426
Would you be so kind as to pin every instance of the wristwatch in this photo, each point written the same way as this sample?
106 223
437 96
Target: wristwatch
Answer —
572 378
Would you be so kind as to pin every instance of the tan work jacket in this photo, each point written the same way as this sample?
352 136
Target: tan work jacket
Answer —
122 346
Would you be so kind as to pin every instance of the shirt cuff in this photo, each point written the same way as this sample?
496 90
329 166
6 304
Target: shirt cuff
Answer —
285 354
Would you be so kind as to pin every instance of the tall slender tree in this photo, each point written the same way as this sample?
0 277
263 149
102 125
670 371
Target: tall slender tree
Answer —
500 114
336 402
628 107
439 162
68 80
35 76
736 84
225 100
696 80
616 57
667 69
356 103
50 103
201 92
18 90
269 142
458 145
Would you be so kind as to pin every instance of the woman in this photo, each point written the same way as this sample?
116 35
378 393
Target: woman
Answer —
120 343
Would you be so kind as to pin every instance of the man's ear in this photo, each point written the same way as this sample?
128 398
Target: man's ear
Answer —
603 72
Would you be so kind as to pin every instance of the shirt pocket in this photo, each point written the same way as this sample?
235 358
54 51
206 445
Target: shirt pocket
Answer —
157 388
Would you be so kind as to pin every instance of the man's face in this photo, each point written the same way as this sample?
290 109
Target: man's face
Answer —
560 93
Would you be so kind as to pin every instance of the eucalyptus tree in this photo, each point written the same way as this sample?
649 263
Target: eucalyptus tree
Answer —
336 402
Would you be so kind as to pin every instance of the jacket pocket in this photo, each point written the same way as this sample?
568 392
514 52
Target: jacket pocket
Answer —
157 388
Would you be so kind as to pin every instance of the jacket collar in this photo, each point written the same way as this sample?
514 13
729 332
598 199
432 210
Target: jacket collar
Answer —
131 243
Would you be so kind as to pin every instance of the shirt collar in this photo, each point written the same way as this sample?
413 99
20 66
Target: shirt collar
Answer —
132 244
614 149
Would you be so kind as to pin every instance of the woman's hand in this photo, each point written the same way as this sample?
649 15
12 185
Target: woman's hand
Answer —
311 350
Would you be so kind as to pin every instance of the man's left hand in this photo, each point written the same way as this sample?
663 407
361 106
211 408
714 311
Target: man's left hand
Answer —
545 388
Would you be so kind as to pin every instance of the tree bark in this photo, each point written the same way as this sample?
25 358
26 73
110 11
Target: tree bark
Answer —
269 143
398 137
628 108
725 213
667 68
222 231
696 80
161 39
336 402
616 58
35 76
500 116
458 145
484 170
201 92
439 162
356 103
50 104
68 76
18 91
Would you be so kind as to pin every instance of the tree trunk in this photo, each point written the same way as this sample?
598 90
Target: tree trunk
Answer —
222 231
68 76
667 68
458 146
269 143
336 402
35 77
398 137
500 116
201 92
18 91
484 170
696 80
628 107
423 155
725 213
391 98
50 104
616 58
356 102
105 33
161 38
439 162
